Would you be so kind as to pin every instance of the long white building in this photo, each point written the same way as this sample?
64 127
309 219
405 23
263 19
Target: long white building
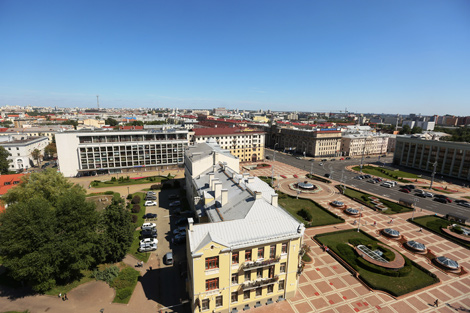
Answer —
99 151
21 148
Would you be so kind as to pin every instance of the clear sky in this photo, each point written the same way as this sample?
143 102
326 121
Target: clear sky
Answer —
397 56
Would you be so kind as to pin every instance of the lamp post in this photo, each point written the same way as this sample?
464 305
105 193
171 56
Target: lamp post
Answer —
359 224
363 151
274 151
127 190
311 168
416 200
432 175
272 176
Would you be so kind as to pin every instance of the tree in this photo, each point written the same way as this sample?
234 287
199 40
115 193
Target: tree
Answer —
4 161
36 154
416 130
50 150
111 121
117 231
406 129
49 233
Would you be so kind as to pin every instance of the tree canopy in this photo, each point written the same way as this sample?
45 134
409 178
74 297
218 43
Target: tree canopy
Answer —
50 232
4 161
111 122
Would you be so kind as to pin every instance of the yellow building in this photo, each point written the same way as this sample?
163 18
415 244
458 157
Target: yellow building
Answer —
246 254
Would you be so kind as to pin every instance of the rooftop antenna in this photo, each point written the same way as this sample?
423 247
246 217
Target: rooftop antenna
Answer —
98 101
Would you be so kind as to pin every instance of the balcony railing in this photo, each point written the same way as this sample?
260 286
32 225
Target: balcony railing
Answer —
260 282
251 265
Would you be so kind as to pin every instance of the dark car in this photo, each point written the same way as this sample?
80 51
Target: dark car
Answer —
461 201
442 200
405 190
412 187
443 197
327 175
151 233
150 198
324 160
348 158
150 215
181 221
173 197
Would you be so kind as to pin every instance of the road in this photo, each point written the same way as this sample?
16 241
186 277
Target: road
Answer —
338 172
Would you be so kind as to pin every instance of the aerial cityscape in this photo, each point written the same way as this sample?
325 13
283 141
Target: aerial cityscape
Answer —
234 156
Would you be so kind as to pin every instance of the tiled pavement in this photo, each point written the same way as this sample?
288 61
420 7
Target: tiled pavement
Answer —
326 286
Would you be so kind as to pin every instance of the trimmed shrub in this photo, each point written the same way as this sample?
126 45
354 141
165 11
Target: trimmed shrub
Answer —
109 192
129 196
125 293
136 200
305 215
134 218
107 275
135 208
156 187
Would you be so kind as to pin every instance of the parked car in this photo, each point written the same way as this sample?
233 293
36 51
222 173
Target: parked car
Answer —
150 215
387 185
151 193
168 258
342 159
150 203
461 201
173 196
146 241
367 176
368 157
373 181
321 164
148 247
179 240
348 158
179 230
443 197
147 226
327 175
428 194
405 190
147 198
311 160
464 204
181 221
324 160
412 187
299 158
175 203
150 233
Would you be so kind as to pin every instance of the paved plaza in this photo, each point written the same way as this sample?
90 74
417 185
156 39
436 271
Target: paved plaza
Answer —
324 286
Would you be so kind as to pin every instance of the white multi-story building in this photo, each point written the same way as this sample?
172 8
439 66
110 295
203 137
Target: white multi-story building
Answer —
367 144
99 151
21 149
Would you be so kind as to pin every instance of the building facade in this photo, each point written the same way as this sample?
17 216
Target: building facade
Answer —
450 158
367 144
245 144
21 149
92 152
245 253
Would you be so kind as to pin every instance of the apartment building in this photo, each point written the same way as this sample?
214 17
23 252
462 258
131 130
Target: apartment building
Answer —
21 149
450 158
245 144
101 151
367 144
244 253
48 131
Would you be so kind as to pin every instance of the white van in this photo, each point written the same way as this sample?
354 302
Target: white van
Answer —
392 183
386 184
148 247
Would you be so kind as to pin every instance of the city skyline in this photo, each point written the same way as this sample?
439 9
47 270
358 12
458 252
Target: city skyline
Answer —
368 57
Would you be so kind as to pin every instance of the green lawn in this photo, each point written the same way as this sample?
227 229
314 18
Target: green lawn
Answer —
126 182
321 216
87 276
394 208
266 179
385 173
412 276
124 284
144 256
435 223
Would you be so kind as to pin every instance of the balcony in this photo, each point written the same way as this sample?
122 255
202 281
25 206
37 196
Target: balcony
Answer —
260 282
250 265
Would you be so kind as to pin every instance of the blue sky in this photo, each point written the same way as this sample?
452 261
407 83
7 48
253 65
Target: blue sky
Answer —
316 55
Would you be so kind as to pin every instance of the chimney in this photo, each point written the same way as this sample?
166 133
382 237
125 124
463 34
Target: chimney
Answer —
250 180
258 195
274 200
190 224
224 199
211 177
217 189
214 181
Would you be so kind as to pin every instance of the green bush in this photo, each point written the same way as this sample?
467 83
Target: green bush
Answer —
136 200
135 208
156 187
359 241
134 218
109 192
122 294
129 196
305 215
457 229
107 275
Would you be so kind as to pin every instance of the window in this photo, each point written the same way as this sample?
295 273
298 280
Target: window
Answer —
284 248
235 258
212 263
259 273
247 255
234 297
205 304
212 284
281 285
218 301
247 275
246 295
272 251
270 288
283 267
260 253
258 292
234 279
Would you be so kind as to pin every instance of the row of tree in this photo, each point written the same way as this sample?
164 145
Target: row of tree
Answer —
49 232
461 134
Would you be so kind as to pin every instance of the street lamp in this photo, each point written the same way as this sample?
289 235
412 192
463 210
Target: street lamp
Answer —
363 150
432 175
359 224
416 200
127 190
274 151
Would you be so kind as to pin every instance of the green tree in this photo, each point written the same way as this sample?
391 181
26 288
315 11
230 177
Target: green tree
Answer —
49 233
117 231
416 130
50 150
36 154
406 129
135 123
4 161
111 121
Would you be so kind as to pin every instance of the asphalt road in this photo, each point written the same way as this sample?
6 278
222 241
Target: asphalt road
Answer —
338 172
